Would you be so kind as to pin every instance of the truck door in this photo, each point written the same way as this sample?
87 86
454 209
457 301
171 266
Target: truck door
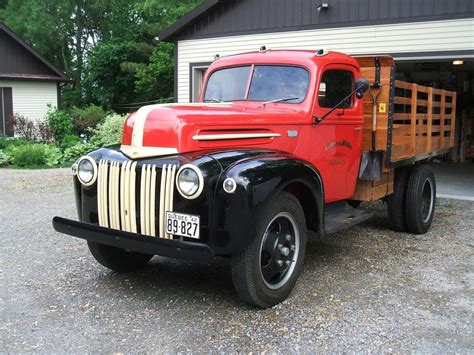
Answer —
336 141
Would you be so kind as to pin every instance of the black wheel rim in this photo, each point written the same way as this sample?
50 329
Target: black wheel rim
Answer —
427 201
279 250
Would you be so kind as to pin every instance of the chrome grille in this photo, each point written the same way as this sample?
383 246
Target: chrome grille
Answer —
117 191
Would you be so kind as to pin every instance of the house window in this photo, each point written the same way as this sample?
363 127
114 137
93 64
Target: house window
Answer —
334 86
6 111
197 72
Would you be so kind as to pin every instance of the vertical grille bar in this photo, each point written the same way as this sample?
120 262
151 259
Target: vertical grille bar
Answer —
122 196
102 193
142 200
114 195
152 201
133 189
162 202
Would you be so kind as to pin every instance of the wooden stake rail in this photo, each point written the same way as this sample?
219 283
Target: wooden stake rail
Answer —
414 122
423 121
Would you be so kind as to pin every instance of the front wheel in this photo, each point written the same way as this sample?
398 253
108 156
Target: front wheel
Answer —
265 273
117 259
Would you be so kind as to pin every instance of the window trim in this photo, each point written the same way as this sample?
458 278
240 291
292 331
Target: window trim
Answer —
192 68
335 68
249 82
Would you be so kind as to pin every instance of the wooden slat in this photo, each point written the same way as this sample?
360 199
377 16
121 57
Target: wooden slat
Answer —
453 120
429 124
413 117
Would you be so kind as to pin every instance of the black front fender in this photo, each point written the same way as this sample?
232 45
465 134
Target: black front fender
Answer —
259 179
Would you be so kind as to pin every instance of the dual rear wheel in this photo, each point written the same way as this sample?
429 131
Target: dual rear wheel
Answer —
411 206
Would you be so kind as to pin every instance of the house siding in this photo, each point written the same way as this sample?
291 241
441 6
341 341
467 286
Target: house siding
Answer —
435 39
31 98
232 17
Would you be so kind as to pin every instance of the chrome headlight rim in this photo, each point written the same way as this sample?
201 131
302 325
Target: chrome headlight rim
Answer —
200 181
94 167
232 182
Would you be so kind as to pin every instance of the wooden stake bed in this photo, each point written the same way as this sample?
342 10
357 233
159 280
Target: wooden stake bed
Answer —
414 123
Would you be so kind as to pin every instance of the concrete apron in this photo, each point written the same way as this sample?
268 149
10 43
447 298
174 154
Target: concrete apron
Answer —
454 180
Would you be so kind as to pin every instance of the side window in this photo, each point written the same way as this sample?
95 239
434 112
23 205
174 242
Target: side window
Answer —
335 85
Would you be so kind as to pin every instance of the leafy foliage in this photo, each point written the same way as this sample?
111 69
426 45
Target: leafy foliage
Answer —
3 141
4 158
87 118
60 123
29 155
111 44
109 132
30 130
72 153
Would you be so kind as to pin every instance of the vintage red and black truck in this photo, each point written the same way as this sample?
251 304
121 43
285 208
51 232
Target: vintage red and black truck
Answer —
280 142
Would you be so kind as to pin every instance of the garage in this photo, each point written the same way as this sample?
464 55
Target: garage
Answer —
432 42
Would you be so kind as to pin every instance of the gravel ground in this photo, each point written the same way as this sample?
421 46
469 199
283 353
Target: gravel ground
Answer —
365 289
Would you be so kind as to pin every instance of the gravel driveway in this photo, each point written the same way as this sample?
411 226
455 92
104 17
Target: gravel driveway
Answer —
365 289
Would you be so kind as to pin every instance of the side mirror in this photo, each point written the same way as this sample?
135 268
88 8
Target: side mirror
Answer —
361 85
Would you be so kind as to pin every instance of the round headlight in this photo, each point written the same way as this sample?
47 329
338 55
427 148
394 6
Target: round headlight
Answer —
189 181
86 171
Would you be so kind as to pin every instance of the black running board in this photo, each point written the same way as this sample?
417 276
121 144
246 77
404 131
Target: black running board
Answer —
340 216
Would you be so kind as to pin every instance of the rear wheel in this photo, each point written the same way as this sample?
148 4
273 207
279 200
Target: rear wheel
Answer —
118 259
396 202
265 273
420 200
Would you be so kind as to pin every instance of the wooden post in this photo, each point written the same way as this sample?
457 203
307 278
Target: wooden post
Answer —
442 116
453 119
414 98
429 120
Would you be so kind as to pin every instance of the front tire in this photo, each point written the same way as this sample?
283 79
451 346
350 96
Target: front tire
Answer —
421 199
265 273
118 259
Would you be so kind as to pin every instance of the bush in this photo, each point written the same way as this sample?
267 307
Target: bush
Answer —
60 123
29 155
4 158
53 155
71 154
109 132
69 141
87 118
24 127
3 141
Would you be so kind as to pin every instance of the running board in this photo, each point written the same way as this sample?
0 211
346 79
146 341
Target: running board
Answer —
340 216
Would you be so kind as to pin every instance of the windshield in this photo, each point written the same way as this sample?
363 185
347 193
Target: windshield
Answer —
270 83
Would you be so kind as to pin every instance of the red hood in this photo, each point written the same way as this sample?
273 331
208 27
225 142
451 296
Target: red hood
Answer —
179 128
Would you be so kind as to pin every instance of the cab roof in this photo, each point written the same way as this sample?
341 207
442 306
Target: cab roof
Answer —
306 58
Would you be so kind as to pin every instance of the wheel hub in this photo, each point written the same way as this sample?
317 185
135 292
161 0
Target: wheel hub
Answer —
279 250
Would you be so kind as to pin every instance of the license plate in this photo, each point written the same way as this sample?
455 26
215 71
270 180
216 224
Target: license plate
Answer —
184 225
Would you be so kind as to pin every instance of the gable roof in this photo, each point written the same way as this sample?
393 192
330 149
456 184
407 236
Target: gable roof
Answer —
184 21
53 73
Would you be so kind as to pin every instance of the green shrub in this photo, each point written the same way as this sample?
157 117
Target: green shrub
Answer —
14 143
3 141
69 141
29 155
60 123
53 155
71 154
4 158
109 132
87 118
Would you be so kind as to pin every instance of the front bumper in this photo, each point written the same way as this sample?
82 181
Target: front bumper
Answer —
133 242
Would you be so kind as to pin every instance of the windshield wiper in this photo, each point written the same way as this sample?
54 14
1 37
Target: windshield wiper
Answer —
280 100
213 100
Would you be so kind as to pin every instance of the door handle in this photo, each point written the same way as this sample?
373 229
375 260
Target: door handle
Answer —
358 129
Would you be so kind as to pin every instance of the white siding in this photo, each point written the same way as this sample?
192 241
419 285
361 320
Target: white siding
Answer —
31 98
432 36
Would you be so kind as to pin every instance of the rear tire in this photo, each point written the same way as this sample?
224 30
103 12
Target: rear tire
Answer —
396 202
265 273
118 259
421 199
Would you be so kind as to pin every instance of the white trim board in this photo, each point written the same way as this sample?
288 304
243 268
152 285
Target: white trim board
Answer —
407 38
